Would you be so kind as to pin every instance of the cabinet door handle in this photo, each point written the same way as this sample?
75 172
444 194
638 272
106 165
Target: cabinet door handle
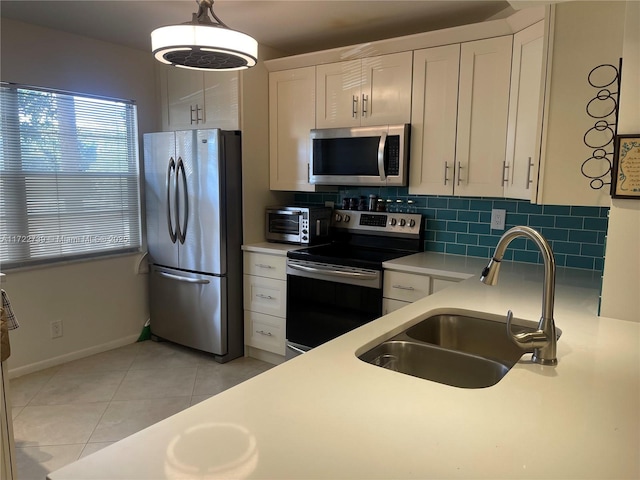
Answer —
505 173
529 181
265 297
446 172
264 265
262 332
354 107
459 176
402 287
192 111
365 101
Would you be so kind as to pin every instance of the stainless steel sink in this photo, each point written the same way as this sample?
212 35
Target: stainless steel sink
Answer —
459 350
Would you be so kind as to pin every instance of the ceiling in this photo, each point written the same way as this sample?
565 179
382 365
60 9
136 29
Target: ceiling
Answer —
289 26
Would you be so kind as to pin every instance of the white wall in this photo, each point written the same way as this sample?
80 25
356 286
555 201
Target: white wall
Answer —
621 283
102 303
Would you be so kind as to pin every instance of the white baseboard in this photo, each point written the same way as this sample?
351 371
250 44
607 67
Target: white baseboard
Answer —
52 362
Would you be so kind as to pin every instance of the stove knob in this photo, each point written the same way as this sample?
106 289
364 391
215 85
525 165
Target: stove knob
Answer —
393 222
338 218
347 218
412 223
403 222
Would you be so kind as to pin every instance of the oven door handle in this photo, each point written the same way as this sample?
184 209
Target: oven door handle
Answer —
335 273
296 349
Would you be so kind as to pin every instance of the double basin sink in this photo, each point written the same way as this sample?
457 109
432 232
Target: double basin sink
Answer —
462 350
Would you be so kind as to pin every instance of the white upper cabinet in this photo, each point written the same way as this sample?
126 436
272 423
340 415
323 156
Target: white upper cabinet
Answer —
575 49
459 118
192 99
292 115
483 106
434 115
525 113
371 91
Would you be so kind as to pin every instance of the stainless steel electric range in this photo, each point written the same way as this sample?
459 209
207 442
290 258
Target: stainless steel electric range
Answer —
337 287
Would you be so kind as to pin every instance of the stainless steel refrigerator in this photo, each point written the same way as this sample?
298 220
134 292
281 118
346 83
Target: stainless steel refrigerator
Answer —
193 192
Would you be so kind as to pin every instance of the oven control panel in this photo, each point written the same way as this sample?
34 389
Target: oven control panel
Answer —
380 222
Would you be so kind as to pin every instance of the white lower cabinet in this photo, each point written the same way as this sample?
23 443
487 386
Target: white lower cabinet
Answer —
402 288
265 306
438 284
265 332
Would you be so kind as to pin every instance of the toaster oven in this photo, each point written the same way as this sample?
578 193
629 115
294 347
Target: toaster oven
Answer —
299 225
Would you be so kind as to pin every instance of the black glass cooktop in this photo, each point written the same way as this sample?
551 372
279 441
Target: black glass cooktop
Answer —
348 255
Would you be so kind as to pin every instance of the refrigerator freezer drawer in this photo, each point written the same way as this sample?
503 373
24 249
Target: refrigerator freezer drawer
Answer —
189 309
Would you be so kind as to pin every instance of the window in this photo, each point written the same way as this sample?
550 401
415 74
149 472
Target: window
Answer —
69 180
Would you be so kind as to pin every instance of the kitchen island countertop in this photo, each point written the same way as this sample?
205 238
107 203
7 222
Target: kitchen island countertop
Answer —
327 414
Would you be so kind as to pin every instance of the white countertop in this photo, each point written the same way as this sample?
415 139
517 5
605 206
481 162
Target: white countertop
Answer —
438 265
328 415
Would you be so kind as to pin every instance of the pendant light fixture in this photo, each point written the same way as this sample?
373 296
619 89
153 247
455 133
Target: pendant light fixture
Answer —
204 44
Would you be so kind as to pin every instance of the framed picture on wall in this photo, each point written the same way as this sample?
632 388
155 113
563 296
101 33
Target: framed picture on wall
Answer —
625 175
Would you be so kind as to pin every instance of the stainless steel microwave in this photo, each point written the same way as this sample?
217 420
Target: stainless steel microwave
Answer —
299 225
371 156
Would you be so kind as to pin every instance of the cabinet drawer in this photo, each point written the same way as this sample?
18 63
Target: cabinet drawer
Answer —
265 265
406 286
265 295
265 332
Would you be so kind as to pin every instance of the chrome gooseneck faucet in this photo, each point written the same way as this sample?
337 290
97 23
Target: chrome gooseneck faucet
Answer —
543 341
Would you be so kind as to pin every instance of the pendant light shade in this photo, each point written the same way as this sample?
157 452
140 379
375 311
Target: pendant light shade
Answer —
203 44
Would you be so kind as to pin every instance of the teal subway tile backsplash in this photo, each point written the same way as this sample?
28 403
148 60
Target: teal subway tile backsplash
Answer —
461 225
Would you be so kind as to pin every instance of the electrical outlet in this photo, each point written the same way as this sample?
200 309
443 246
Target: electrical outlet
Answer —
56 328
498 217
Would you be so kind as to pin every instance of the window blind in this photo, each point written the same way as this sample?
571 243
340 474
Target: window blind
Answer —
69 178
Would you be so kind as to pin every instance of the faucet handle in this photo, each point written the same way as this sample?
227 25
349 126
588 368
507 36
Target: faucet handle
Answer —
526 341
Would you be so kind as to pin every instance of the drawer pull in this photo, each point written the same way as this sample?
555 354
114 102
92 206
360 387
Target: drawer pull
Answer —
264 265
262 332
265 297
402 287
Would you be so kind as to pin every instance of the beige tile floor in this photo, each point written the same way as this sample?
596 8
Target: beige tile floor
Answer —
72 410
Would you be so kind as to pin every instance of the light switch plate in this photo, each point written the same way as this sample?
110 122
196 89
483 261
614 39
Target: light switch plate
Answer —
498 218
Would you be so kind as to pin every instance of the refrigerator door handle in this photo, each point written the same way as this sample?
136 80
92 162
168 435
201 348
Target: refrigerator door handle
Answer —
172 232
182 229
183 279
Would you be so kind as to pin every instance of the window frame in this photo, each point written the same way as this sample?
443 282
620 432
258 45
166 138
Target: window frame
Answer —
118 172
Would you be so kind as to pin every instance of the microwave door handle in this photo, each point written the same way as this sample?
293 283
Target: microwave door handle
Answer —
383 141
